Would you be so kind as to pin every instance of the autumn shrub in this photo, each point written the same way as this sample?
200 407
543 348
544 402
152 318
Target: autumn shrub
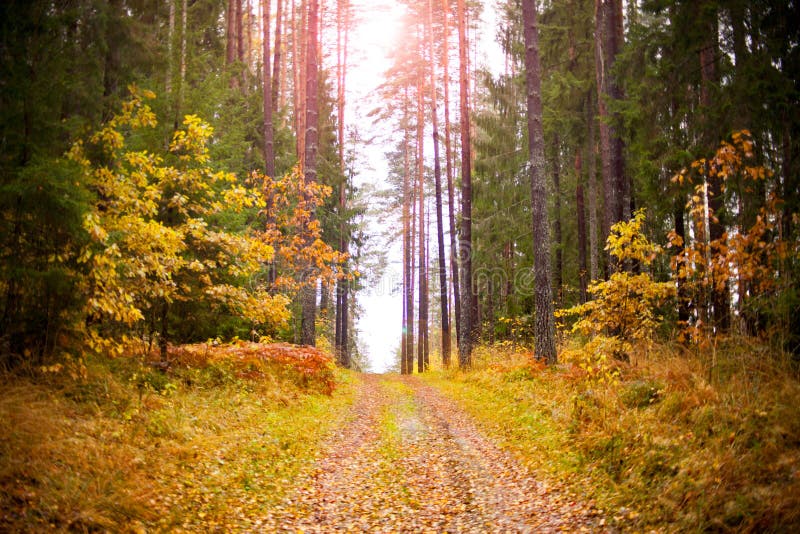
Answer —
625 308
755 258
307 367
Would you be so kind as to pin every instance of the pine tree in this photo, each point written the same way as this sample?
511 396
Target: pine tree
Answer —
544 326
468 297
309 305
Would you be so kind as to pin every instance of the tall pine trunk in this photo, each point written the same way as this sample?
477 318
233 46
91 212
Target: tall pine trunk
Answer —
581 216
544 326
591 157
342 23
408 299
269 143
709 74
170 42
608 43
308 332
437 174
466 336
448 151
422 326
231 40
413 270
276 64
559 268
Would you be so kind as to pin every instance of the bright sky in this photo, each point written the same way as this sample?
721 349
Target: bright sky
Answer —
370 45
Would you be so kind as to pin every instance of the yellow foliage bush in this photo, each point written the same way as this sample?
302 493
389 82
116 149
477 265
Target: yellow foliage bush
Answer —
624 307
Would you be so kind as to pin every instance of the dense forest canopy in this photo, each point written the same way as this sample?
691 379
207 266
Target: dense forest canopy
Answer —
180 170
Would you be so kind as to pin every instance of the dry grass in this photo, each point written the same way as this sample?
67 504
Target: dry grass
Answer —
678 441
131 449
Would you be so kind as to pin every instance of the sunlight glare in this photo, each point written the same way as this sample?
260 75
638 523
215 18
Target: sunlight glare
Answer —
375 35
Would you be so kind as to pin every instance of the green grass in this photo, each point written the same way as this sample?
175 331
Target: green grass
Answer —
673 444
131 449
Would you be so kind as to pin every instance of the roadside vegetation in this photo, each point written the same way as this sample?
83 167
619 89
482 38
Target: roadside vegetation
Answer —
675 439
208 444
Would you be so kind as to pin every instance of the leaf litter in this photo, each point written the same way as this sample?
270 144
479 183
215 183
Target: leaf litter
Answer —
411 461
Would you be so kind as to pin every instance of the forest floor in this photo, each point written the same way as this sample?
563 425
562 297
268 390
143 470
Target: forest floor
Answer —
411 461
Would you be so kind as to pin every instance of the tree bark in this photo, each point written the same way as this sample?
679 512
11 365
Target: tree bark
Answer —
437 174
239 32
591 156
407 363
466 341
182 67
413 270
342 20
231 41
559 268
269 136
230 34
170 42
451 203
709 74
310 165
581 216
276 64
544 328
608 43
422 326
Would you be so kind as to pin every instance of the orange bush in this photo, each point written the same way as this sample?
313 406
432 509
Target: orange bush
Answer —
308 366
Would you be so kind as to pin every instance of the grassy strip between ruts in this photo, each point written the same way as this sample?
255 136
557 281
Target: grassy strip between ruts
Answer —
130 449
672 442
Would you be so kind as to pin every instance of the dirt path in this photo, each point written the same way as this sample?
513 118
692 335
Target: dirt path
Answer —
410 461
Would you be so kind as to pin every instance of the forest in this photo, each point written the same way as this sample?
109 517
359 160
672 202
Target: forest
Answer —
594 211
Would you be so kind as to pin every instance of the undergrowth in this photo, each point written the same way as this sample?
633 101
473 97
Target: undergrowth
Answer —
672 441
205 446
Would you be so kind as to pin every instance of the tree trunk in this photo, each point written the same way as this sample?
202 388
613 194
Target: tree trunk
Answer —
269 143
297 64
544 329
451 203
283 69
182 68
276 64
579 204
559 269
608 43
423 260
412 271
239 32
111 61
466 341
591 155
240 44
342 20
449 166
709 79
269 131
170 42
248 49
437 174
408 292
231 40
310 165
230 34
